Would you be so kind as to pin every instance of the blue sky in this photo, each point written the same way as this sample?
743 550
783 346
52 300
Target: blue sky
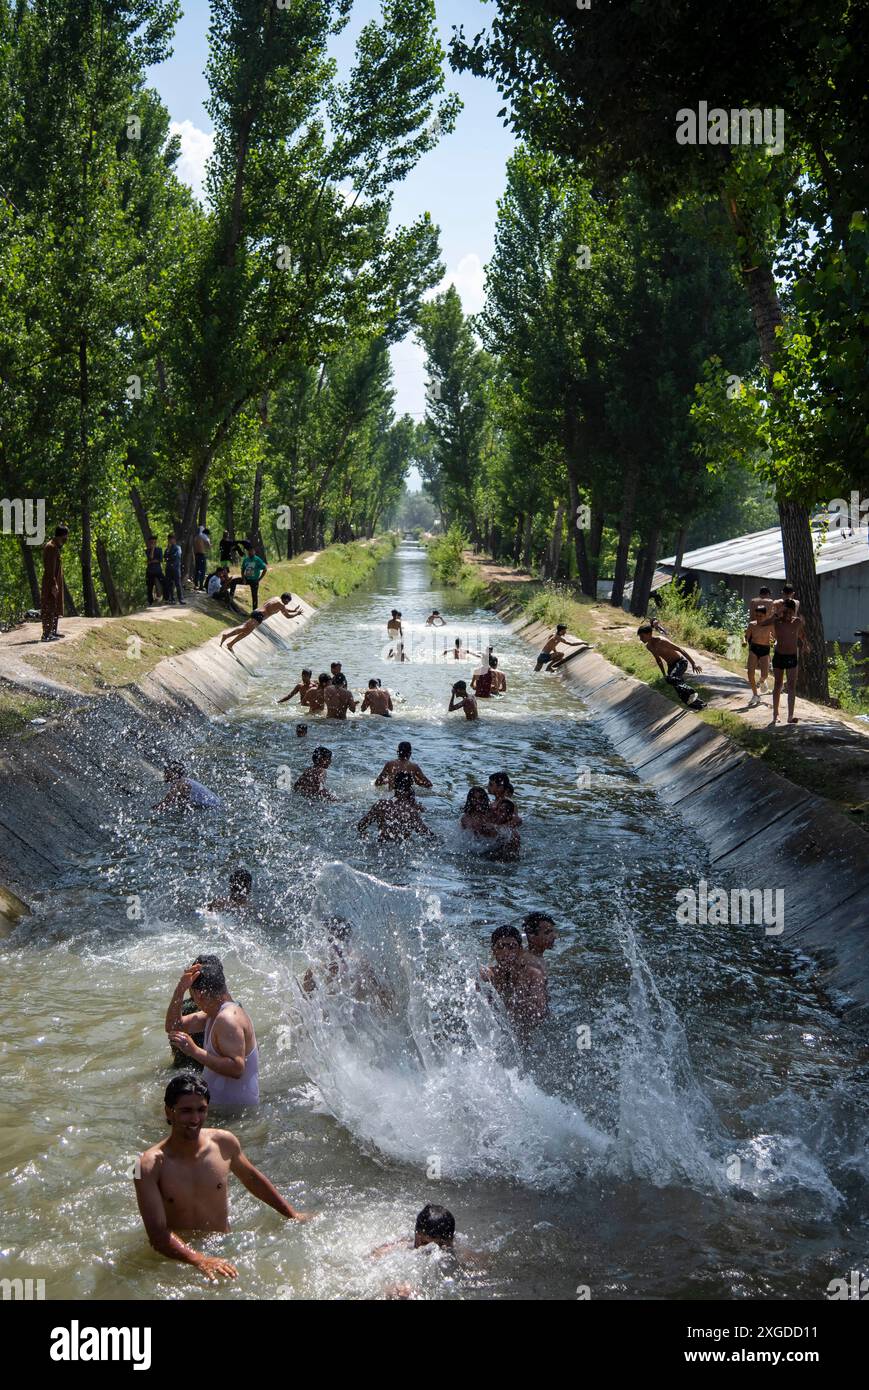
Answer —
459 183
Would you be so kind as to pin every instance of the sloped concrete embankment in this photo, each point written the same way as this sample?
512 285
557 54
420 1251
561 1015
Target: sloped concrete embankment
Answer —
61 784
761 830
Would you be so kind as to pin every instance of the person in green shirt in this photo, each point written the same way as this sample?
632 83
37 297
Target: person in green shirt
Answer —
253 567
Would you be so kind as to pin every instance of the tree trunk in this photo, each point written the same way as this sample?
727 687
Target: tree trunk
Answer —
141 514
91 607
256 504
203 508
556 542
526 542
595 540
800 568
796 532
645 575
680 549
70 607
626 526
229 511
30 571
108 579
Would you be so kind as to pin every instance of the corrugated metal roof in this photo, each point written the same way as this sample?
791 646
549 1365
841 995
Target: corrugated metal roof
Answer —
761 555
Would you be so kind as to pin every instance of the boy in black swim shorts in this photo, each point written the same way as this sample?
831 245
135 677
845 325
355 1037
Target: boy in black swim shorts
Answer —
758 635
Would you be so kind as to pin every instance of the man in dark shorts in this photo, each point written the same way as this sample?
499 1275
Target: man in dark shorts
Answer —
550 656
676 659
758 635
790 635
259 615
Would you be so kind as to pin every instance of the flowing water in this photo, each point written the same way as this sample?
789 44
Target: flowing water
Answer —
686 1124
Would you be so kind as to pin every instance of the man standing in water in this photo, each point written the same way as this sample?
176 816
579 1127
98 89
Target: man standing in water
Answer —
790 635
183 1181
229 1055
399 818
315 696
401 764
460 699
51 593
312 782
377 700
301 688
338 699
234 635
518 980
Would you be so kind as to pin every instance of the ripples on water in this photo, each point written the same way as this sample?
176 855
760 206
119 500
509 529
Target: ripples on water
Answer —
709 1142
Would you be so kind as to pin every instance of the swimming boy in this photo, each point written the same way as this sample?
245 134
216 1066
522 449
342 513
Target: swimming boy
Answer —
229 1055
312 782
183 1181
399 818
518 980
460 699
240 884
377 700
301 688
315 696
401 764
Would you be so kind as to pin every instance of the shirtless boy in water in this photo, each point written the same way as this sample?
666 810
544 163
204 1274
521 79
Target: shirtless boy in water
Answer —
790 636
312 782
301 688
518 979
315 696
399 818
376 700
235 635
338 699
460 699
182 1182
401 764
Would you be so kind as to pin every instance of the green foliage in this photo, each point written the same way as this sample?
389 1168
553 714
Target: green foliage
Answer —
445 554
846 680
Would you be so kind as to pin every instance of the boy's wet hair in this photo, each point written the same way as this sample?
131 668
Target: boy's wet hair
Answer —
306 671
340 681
435 1222
477 797
241 879
372 685
211 979
324 678
534 922
790 604
788 589
493 661
460 687
644 628
286 598
501 779
561 627
764 590
301 730
506 933
185 1085
505 804
321 756
404 749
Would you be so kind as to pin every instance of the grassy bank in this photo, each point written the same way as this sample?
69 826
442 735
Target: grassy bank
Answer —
535 600
119 651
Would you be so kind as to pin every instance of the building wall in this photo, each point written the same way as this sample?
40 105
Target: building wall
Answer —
844 596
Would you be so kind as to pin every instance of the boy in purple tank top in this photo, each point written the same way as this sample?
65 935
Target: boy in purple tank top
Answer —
229 1056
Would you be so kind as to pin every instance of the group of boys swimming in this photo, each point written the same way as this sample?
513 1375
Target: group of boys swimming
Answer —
182 1182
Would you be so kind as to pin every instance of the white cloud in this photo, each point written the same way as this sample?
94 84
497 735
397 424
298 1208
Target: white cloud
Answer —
469 278
196 148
